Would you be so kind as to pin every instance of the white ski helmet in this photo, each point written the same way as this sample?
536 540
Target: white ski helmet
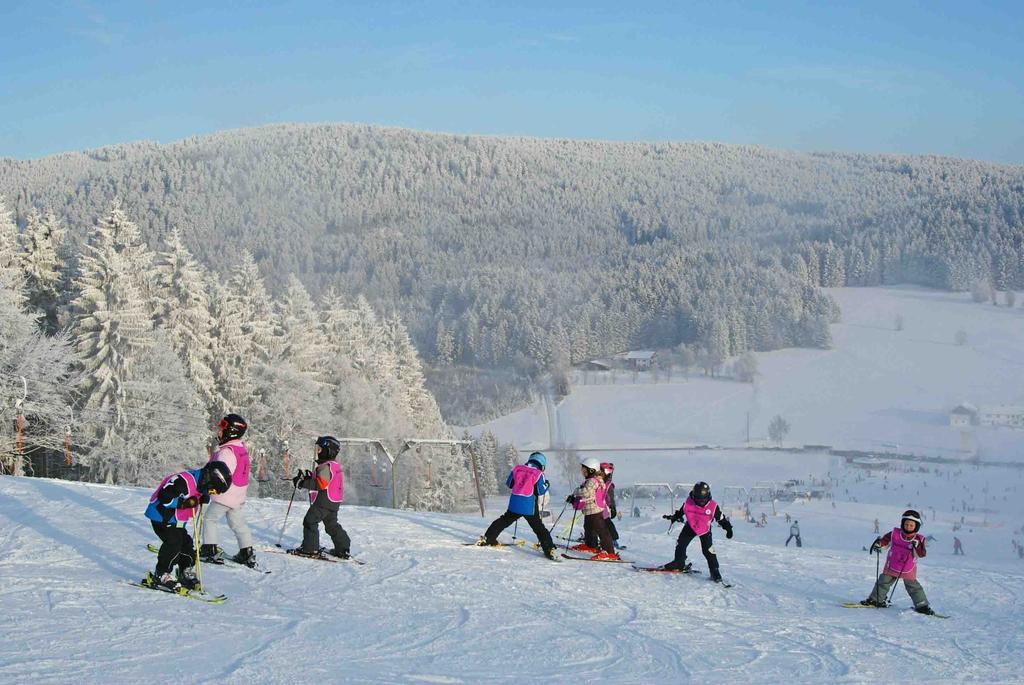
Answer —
591 463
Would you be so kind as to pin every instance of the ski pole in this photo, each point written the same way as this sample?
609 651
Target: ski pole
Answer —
552 528
894 586
515 529
198 530
295 487
571 525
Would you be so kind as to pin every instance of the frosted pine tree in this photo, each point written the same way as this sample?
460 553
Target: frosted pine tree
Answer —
112 331
231 357
12 279
184 313
414 396
298 323
247 296
41 265
127 240
489 469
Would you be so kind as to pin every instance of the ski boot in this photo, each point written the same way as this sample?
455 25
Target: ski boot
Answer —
673 566
245 556
211 554
164 581
584 547
188 580
484 542
926 610
343 555
872 603
605 556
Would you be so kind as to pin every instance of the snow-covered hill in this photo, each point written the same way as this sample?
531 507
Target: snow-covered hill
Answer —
426 609
877 389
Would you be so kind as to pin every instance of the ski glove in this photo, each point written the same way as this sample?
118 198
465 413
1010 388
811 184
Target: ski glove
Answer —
875 547
728 532
570 499
188 502
674 518
205 499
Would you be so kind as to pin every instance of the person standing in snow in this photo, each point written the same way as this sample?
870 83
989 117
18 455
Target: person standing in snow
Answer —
610 510
528 484
590 499
232 452
958 547
794 532
171 506
699 510
877 524
326 491
906 545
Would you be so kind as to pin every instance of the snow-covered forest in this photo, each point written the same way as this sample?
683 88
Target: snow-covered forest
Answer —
116 360
525 255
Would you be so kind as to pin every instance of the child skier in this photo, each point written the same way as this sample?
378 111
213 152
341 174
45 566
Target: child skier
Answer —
699 510
326 491
528 484
610 512
905 545
171 506
590 498
233 453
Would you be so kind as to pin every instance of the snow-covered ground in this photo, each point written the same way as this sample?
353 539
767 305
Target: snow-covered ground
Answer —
426 609
878 389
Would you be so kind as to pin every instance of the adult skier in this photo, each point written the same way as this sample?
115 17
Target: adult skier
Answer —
171 506
590 499
699 510
326 491
528 484
906 545
232 452
794 532
958 547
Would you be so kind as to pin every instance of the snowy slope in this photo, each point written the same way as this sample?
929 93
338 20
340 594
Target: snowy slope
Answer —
425 609
877 389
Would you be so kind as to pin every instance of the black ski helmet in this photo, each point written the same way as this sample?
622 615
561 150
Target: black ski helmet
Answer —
327 448
911 515
215 477
231 427
701 493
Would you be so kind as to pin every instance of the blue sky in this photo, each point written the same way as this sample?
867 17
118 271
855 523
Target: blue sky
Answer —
916 77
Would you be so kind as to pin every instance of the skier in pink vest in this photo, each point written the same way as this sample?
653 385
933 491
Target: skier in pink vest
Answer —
699 510
527 483
906 545
590 499
232 451
326 487
171 506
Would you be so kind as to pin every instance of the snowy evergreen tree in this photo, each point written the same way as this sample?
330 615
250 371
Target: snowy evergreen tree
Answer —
232 358
298 323
12 278
184 313
112 330
41 265
487 448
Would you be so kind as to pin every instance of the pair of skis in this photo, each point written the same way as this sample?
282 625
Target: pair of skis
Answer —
858 605
182 592
502 546
318 556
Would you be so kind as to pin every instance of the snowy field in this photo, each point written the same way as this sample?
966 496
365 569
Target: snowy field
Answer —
426 609
878 389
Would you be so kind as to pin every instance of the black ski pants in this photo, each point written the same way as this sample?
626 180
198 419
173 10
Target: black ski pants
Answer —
176 547
596 533
311 530
610 522
706 546
508 518
799 543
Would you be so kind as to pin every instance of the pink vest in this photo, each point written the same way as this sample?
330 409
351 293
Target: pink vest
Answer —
233 451
524 480
335 488
600 494
699 518
182 515
901 561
